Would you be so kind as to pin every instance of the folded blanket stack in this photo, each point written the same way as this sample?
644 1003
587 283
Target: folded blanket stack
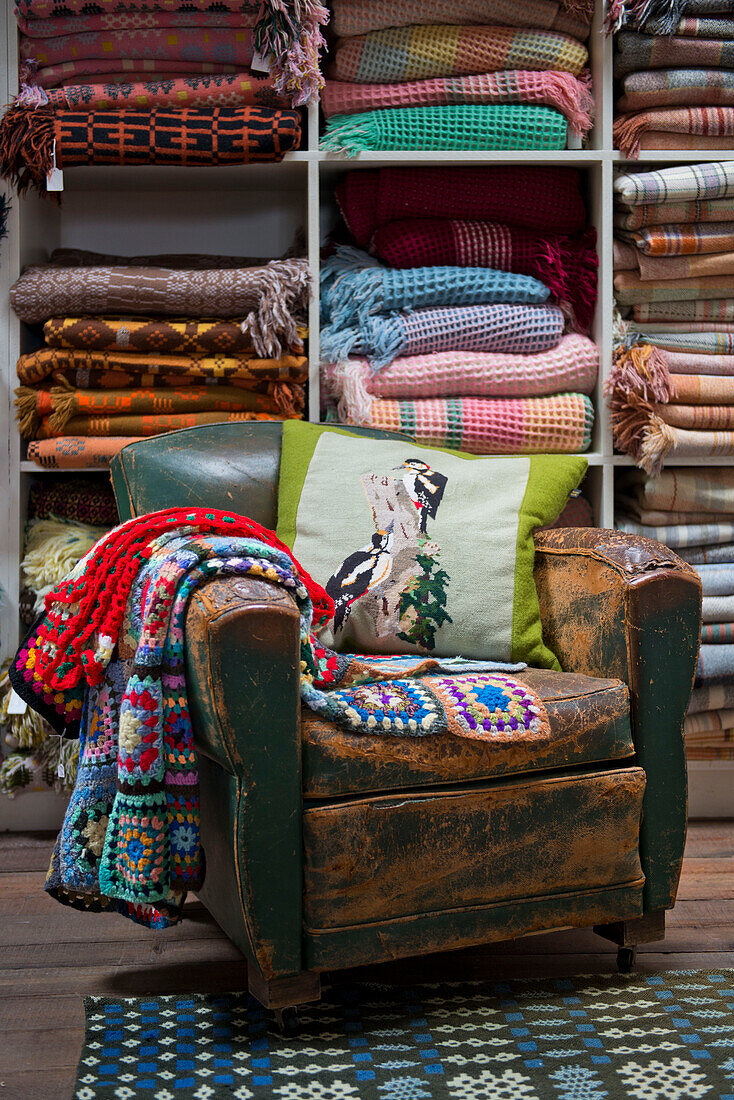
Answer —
474 74
166 82
691 509
671 390
457 326
119 363
675 68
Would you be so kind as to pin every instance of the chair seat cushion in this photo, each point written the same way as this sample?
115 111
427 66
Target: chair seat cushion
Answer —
589 723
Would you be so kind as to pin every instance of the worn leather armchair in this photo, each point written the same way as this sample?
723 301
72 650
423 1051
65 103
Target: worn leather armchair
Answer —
327 850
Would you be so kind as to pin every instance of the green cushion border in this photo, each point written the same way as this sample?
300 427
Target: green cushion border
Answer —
550 480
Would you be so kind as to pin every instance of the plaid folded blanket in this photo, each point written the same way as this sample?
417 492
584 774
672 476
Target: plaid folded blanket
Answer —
507 328
714 124
268 297
708 721
682 536
566 265
477 425
658 16
677 87
548 200
563 92
660 328
662 139
689 239
711 697
673 214
145 334
718 27
712 310
221 90
681 183
30 139
571 366
699 555
666 269
353 17
354 286
495 126
420 52
638 52
630 289
77 452
144 426
704 343
706 489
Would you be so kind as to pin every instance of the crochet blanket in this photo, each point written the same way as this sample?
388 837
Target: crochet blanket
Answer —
677 87
31 141
267 299
565 93
480 425
50 362
716 124
355 286
146 334
472 126
567 266
510 328
77 452
217 90
421 52
572 365
130 837
547 200
353 17
681 183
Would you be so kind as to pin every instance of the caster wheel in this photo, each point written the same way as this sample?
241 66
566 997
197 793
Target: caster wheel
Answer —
626 958
287 1022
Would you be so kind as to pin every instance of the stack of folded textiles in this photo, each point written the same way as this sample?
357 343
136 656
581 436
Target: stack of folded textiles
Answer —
692 511
138 346
163 82
675 69
671 390
458 329
473 74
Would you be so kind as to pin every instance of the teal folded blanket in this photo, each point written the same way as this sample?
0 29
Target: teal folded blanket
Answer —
355 286
467 126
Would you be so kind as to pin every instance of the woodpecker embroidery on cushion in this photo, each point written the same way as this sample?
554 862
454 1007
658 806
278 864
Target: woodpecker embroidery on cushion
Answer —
361 571
424 486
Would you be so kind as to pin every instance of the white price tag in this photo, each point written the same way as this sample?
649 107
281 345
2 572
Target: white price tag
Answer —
260 64
54 178
16 705
60 771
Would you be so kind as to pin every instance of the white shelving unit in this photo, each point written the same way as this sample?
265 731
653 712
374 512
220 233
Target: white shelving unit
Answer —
255 210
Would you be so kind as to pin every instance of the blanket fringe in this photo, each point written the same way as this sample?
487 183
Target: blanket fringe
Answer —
355 403
627 132
345 135
289 31
650 16
638 380
287 292
582 9
26 411
570 271
574 98
657 444
345 303
26 146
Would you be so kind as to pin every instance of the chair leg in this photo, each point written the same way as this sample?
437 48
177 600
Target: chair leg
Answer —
282 994
628 934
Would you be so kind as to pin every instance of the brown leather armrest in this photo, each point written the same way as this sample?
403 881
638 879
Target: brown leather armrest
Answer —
628 607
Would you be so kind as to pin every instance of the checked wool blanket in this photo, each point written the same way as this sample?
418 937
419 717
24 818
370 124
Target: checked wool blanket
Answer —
547 200
665 269
146 334
630 289
492 126
681 239
563 92
355 17
716 313
682 183
115 672
566 265
219 90
421 52
677 88
30 139
638 52
699 127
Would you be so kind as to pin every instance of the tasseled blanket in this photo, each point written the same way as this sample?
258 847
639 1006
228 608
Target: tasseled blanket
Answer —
107 658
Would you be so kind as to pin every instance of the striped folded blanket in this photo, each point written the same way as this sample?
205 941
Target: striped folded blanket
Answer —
717 609
354 286
718 634
545 199
706 489
658 16
712 310
694 238
677 87
681 183
703 343
473 126
31 142
145 334
662 328
680 536
712 127
507 328
630 289
667 269
571 366
639 52
709 721
566 265
477 425
715 664
218 90
718 27
563 92
353 17
717 580
672 214
146 425
421 52
711 697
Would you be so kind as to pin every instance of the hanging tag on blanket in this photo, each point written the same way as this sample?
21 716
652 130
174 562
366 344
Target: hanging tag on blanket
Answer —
60 771
16 705
54 178
260 63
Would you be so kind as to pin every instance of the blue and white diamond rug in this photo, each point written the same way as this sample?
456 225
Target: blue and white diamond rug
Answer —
643 1037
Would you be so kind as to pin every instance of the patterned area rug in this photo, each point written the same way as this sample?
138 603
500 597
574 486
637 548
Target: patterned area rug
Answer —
662 1037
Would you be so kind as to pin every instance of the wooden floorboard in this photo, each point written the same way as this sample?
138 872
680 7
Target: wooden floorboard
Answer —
53 956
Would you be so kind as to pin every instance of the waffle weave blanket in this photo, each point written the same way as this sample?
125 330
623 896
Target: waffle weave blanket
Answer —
354 286
508 328
354 17
561 91
677 88
547 200
566 265
421 52
473 126
714 125
267 299
681 183
484 425
31 141
218 90
137 784
145 334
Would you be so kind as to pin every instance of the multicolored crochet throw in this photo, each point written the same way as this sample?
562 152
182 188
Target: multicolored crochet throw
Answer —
130 839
